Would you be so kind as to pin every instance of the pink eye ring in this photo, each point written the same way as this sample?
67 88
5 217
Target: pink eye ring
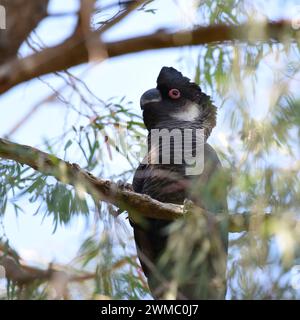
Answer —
174 94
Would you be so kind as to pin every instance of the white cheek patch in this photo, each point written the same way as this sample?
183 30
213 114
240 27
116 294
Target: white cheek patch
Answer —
190 113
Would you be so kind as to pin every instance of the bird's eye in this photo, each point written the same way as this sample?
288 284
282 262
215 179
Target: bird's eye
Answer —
174 94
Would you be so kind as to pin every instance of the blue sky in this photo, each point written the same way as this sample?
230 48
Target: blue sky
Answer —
126 76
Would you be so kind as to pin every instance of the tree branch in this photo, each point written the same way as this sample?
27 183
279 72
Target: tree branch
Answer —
130 6
21 273
19 24
136 204
73 51
100 189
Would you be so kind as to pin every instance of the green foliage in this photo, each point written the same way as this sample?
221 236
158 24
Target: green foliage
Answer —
114 278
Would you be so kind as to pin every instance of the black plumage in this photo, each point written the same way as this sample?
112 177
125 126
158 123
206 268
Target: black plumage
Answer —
177 103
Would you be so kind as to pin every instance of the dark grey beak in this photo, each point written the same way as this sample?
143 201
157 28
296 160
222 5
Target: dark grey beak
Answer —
152 95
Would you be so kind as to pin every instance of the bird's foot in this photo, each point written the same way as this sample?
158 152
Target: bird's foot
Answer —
188 205
124 185
121 184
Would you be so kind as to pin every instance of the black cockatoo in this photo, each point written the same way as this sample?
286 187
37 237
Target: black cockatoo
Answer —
177 103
